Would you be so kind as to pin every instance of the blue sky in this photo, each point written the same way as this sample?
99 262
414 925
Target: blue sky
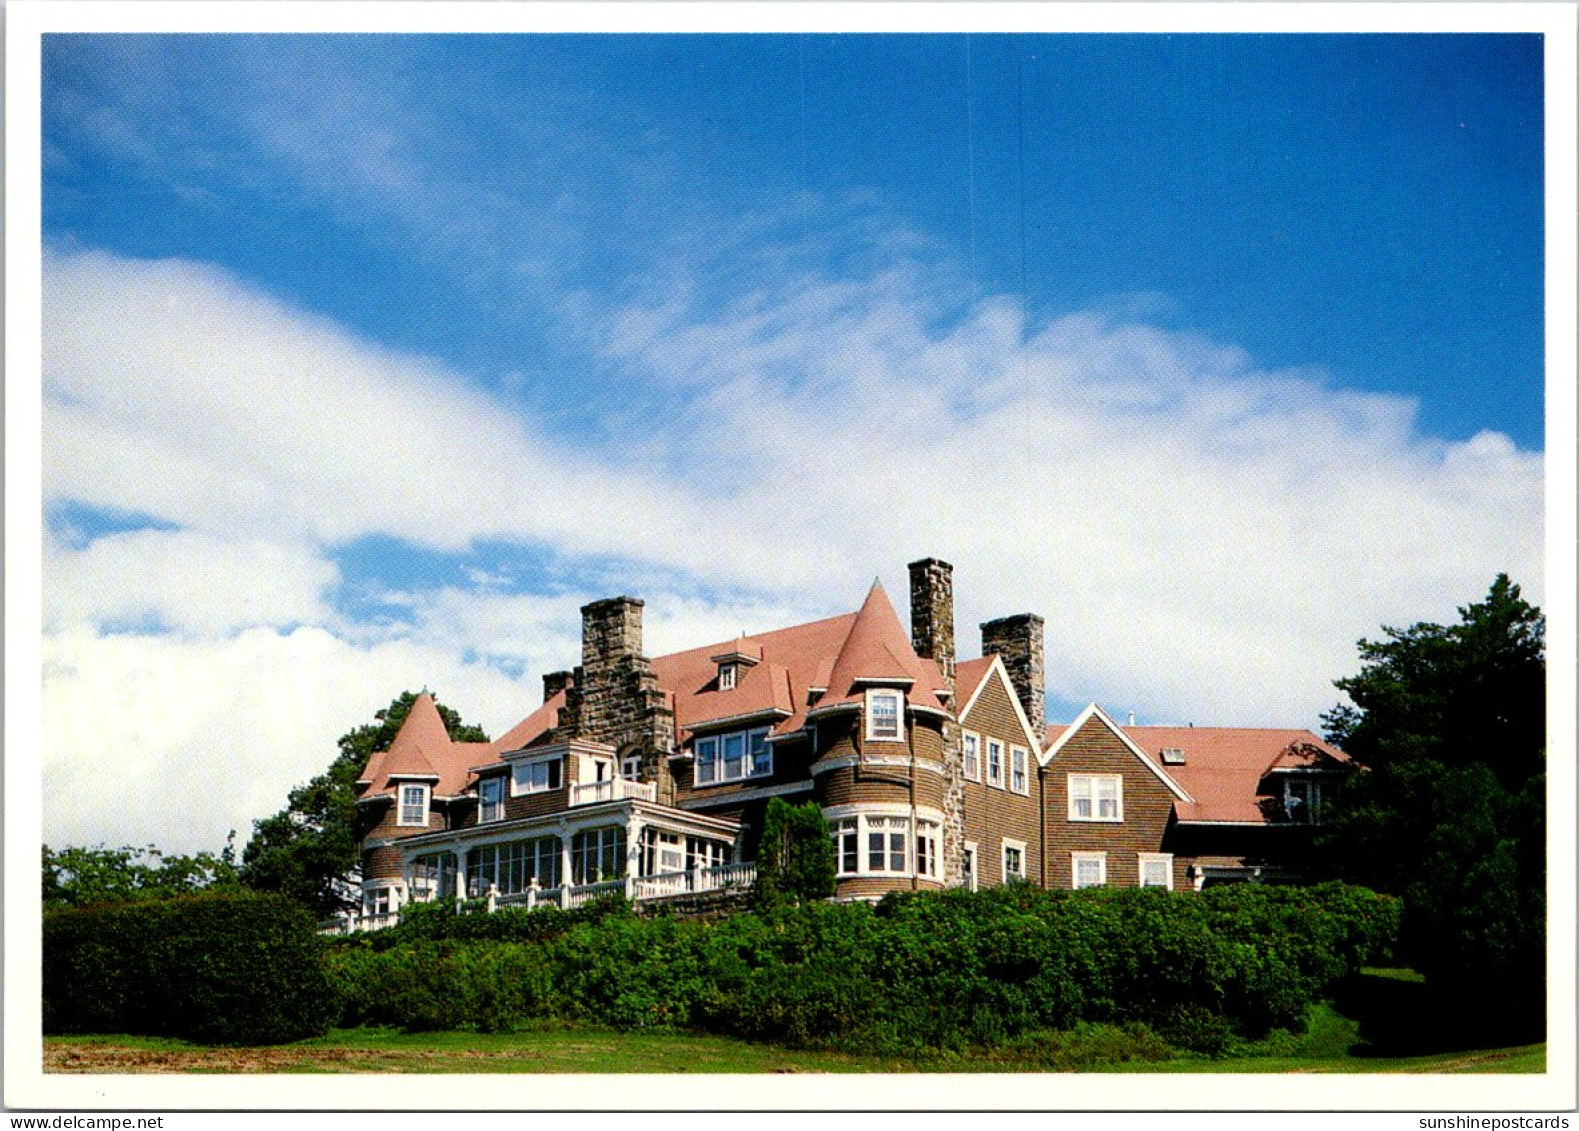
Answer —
375 356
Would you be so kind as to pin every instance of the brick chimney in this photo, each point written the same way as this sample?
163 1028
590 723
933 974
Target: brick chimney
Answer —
932 612
1018 639
554 683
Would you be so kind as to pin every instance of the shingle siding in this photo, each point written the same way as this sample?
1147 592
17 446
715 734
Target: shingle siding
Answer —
993 815
1147 810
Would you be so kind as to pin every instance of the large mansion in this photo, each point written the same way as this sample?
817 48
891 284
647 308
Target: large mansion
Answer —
650 775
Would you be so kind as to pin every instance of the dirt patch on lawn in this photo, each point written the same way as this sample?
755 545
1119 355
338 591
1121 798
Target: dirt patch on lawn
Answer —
59 1057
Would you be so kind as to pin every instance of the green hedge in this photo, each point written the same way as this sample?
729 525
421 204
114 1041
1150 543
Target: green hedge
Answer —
941 970
219 968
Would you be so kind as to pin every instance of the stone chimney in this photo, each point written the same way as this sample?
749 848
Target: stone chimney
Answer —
613 696
1018 639
554 683
610 628
932 612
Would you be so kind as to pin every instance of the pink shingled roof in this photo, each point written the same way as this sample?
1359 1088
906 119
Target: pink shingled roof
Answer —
422 748
878 649
790 658
968 675
1223 766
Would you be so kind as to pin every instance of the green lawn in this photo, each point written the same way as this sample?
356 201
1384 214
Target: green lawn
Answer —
1382 1021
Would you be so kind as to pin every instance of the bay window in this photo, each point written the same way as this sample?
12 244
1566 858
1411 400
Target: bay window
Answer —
880 845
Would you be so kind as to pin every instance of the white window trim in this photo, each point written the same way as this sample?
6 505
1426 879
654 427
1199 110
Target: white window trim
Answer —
975 859
400 805
726 677
1025 769
964 761
863 868
991 743
899 714
482 804
1144 858
516 789
747 771
1096 806
1077 858
1003 861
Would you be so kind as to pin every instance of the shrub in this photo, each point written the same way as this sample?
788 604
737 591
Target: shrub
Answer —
220 968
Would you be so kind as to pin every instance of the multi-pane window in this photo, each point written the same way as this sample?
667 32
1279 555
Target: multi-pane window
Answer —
536 777
376 901
597 855
513 866
847 846
885 844
630 767
927 849
1013 862
726 677
1156 870
432 876
413 805
1302 800
731 757
970 748
882 716
1096 797
995 762
1089 869
1019 779
967 866
703 853
490 792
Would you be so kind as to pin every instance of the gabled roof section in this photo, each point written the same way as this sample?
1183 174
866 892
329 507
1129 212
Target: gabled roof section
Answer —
972 678
877 650
1224 767
1059 737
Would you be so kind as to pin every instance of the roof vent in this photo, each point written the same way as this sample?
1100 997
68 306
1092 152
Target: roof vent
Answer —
1172 756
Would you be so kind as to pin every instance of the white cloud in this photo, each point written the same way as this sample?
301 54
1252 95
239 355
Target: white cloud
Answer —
1206 540
183 579
177 741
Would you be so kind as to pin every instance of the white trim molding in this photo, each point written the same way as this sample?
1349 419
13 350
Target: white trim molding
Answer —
1009 845
1078 858
1095 712
1163 858
1033 738
1088 788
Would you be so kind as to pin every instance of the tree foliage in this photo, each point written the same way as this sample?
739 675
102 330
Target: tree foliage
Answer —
81 877
795 861
311 849
1450 722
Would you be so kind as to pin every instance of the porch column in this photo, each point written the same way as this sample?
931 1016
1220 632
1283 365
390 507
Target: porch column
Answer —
460 876
564 866
633 835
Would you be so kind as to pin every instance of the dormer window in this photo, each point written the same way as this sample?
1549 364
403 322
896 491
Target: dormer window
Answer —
1172 756
726 676
885 716
490 793
413 805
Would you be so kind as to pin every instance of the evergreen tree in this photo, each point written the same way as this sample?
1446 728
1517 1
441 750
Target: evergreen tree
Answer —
795 860
1450 723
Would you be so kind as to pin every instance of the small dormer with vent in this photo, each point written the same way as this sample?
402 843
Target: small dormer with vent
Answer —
733 662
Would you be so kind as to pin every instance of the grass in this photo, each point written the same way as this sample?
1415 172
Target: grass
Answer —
1384 1020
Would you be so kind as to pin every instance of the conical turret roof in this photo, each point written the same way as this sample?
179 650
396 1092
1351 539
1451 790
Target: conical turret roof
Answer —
877 651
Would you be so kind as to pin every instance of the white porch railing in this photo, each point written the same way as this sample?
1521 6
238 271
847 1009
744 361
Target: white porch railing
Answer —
724 877
614 789
351 924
